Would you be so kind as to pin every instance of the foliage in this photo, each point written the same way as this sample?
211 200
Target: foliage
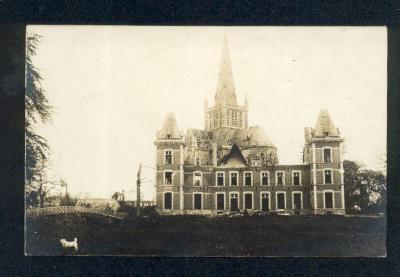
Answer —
67 200
115 196
364 188
32 199
37 109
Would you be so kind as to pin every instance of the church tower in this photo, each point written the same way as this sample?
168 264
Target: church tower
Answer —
226 113
323 151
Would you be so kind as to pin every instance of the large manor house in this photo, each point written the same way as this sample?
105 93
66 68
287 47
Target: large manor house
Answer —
231 166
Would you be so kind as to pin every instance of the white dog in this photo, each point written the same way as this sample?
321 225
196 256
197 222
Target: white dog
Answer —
69 244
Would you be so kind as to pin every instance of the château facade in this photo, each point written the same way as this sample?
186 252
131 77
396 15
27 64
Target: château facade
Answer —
231 166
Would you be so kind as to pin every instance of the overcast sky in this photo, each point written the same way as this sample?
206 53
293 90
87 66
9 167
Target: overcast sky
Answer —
112 86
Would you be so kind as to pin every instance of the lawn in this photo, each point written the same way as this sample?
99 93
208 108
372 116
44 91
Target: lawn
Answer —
204 236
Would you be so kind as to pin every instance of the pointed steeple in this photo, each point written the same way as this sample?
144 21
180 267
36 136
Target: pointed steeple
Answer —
225 94
246 101
169 129
205 101
324 126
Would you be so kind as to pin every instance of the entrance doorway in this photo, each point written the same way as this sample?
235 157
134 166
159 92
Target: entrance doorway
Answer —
265 201
234 201
168 201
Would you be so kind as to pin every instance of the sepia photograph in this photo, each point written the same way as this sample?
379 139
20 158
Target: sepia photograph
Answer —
212 141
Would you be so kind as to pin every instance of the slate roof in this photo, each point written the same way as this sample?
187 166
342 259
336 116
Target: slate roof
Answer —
253 136
225 93
324 126
234 158
201 135
169 128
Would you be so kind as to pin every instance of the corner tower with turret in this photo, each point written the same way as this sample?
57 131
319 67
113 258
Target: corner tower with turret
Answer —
323 151
169 165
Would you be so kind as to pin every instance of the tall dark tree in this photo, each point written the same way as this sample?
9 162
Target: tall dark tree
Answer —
37 109
351 184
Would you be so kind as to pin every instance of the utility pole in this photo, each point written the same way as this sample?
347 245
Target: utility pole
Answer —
138 191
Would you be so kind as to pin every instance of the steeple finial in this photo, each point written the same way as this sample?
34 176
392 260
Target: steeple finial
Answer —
225 93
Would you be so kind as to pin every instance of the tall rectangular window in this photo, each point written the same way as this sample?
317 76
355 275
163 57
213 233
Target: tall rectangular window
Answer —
264 179
220 179
197 161
197 178
280 199
168 178
234 202
279 178
197 201
328 176
265 201
248 201
168 200
234 179
328 200
327 155
220 201
168 157
247 179
296 200
296 178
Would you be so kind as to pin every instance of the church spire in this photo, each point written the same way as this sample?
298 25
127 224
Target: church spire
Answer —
225 94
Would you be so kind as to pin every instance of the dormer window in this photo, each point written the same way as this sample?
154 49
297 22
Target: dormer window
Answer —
198 161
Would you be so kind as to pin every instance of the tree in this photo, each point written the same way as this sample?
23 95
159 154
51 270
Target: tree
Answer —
67 200
375 186
364 188
351 184
115 195
37 108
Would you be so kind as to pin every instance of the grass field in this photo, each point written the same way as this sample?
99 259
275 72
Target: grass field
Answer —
203 236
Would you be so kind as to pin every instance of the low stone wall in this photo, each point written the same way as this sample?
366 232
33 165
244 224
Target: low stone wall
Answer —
67 210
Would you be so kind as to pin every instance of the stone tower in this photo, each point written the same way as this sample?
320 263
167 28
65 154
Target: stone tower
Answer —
169 163
226 113
323 151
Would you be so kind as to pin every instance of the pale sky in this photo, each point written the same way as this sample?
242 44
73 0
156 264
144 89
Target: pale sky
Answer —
112 86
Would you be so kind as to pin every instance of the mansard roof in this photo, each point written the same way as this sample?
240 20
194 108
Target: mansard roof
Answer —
170 128
225 93
324 126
